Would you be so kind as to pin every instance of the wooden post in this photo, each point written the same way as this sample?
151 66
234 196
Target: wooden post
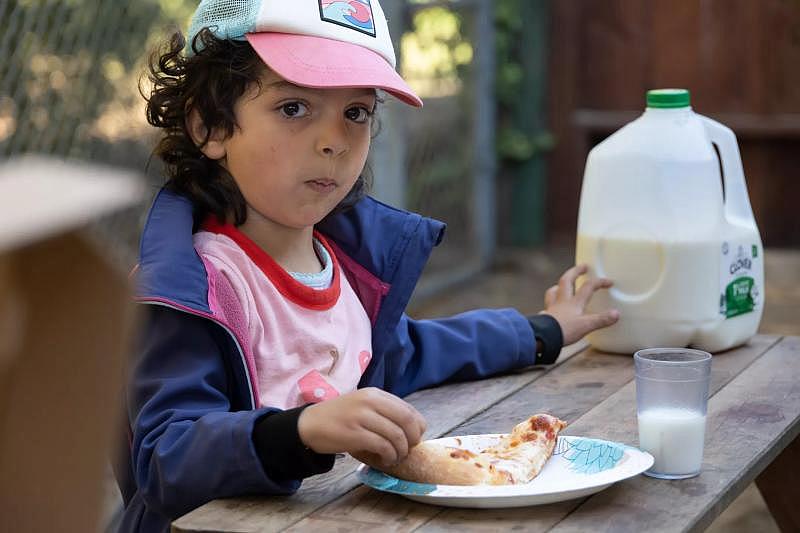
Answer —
528 208
484 194
778 486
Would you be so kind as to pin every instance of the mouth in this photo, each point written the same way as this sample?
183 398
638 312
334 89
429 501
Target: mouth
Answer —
322 185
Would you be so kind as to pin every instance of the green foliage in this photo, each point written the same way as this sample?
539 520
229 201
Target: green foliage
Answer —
508 27
517 146
514 146
434 52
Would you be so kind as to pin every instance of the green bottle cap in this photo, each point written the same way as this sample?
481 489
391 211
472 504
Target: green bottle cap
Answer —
668 98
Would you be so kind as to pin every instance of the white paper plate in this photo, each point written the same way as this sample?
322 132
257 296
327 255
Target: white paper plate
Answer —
579 466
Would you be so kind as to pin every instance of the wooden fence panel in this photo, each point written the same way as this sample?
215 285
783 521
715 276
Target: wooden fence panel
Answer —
739 58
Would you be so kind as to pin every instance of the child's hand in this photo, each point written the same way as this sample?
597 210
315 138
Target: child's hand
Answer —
567 306
368 420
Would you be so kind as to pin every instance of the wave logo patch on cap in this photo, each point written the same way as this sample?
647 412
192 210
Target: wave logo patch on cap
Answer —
353 14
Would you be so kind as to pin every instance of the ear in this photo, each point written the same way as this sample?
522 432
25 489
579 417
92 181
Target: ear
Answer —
215 146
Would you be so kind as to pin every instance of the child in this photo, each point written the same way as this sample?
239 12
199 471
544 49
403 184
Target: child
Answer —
275 334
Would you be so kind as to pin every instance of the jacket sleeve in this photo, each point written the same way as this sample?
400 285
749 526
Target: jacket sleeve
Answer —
188 447
471 345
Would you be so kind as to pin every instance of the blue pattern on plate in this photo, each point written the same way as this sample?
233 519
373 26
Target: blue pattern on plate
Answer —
589 456
379 480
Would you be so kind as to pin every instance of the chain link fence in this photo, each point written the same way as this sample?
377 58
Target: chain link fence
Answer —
69 87
69 73
69 77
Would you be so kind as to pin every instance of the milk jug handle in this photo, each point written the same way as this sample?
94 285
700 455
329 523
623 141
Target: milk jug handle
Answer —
737 202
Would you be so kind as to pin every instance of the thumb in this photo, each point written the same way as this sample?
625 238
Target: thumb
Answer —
368 458
601 320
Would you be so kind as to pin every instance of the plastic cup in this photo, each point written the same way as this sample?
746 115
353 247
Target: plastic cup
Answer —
671 402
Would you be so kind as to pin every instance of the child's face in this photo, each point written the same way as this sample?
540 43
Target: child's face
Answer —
297 152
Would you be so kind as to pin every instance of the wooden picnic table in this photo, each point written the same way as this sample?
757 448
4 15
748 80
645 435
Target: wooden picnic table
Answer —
752 426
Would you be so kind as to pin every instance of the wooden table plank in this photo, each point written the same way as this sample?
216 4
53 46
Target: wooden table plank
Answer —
750 420
592 377
595 375
274 513
468 399
616 407
364 509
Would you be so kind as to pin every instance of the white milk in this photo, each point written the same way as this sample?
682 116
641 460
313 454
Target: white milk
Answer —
668 293
686 258
674 437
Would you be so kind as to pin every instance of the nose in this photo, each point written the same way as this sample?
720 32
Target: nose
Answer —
332 140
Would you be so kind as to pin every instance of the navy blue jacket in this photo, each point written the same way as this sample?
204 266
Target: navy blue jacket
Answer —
190 406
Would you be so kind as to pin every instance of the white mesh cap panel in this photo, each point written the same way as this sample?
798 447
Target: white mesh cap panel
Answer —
227 19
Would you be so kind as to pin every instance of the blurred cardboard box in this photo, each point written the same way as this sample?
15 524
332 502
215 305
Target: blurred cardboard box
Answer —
64 315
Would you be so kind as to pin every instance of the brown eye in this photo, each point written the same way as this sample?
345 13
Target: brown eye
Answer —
358 114
294 109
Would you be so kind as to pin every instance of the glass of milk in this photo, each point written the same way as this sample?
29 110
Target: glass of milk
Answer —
671 400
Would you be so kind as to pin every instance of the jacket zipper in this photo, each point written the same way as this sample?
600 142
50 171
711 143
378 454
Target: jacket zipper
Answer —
208 316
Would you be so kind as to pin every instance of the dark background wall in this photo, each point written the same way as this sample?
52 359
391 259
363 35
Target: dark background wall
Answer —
739 58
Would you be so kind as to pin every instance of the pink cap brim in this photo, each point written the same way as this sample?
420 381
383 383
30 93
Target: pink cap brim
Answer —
326 63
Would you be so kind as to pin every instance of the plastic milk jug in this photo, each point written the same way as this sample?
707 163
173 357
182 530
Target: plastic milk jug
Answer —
670 222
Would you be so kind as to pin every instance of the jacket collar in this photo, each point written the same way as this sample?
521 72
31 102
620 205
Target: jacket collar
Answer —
169 267
390 243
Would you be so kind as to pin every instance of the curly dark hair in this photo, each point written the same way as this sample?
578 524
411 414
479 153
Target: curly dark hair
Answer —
210 81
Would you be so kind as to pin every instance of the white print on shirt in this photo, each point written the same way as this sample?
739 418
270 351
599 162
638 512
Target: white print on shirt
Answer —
314 388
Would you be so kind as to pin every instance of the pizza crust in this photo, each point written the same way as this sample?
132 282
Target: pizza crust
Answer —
432 462
516 459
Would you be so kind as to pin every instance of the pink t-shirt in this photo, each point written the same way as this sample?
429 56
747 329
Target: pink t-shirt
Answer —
309 345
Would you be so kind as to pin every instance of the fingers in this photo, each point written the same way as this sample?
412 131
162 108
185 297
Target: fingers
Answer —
567 306
550 296
403 414
601 320
385 439
397 421
566 285
367 420
372 459
422 427
589 287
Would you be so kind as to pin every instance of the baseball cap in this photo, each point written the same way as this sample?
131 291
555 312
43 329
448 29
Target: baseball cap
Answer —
312 43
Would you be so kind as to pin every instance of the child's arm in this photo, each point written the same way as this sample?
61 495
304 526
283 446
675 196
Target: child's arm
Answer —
471 345
188 446
477 344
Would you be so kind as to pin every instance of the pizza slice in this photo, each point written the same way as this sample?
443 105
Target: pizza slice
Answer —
517 458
